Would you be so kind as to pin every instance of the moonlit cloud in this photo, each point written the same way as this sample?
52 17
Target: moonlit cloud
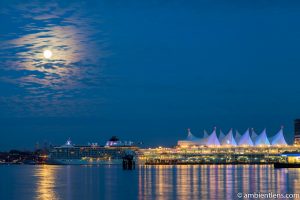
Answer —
49 86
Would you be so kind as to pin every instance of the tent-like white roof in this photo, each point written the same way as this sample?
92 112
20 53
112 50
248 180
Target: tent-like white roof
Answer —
253 134
237 136
278 139
190 139
221 136
212 139
229 139
262 139
190 136
205 135
246 139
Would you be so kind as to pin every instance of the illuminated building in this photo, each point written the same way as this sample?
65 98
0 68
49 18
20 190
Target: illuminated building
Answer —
227 149
241 140
297 132
91 154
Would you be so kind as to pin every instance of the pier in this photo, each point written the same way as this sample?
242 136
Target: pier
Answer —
128 162
214 155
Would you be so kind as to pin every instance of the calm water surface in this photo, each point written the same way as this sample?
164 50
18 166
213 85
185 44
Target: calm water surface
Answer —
146 182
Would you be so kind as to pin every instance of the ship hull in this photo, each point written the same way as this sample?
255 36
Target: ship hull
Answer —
83 162
286 165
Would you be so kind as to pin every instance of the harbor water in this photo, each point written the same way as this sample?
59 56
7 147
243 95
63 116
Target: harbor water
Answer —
111 182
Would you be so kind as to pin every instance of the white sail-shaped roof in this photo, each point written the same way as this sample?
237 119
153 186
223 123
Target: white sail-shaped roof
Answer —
253 134
246 139
229 139
205 135
191 137
212 139
278 139
237 136
262 139
221 136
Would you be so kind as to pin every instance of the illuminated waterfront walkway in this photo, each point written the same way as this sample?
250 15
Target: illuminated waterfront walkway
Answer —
223 149
215 155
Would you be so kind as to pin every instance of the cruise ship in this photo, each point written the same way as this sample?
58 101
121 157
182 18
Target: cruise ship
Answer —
92 154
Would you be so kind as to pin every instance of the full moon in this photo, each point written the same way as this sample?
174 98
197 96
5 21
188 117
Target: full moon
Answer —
47 54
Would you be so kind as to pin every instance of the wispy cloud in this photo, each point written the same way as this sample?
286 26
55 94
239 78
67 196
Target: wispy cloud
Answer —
58 85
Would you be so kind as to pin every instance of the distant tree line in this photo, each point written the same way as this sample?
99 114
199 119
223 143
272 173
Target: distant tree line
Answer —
20 157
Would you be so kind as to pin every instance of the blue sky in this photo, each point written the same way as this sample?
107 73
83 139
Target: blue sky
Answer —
146 71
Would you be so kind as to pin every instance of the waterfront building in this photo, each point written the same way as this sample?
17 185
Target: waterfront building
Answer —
212 139
205 135
278 139
237 136
229 139
262 139
216 154
297 131
239 140
253 134
245 139
191 137
208 140
221 136
230 150
289 160
292 158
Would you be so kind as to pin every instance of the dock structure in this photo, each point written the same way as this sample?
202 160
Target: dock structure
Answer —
215 155
128 162
248 148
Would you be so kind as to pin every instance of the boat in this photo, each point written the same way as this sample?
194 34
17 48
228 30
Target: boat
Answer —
289 160
286 165
111 153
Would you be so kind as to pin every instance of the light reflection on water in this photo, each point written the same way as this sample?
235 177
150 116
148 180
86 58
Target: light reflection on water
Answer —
45 184
214 182
146 182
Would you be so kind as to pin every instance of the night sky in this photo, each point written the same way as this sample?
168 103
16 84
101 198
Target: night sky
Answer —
146 71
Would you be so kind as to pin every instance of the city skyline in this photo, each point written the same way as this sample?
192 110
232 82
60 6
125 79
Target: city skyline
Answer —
146 71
